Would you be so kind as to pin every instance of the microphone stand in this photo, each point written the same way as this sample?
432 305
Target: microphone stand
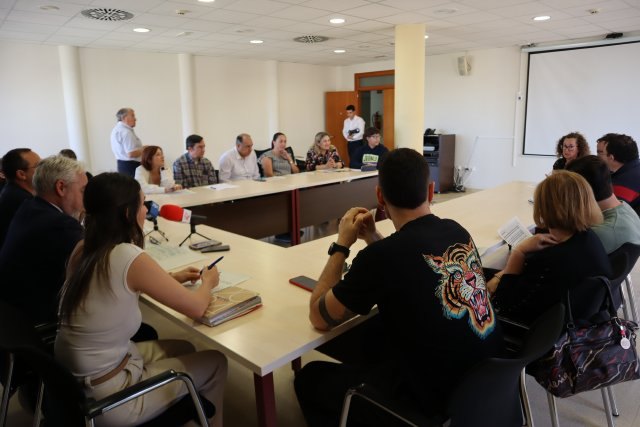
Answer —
155 228
193 231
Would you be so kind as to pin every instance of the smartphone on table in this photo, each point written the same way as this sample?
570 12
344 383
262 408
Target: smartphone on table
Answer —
304 282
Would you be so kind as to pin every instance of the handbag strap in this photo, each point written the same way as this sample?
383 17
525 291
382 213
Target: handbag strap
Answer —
607 285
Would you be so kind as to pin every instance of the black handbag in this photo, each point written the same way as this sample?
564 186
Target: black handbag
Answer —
591 356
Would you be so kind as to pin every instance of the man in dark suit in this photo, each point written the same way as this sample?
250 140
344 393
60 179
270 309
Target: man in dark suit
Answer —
41 237
18 166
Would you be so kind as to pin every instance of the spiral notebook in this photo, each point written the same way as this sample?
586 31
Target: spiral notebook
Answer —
229 303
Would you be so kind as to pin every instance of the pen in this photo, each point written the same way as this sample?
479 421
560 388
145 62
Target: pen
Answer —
212 264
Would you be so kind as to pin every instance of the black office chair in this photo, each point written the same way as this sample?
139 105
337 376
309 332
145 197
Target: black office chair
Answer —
623 260
258 154
64 400
499 402
301 164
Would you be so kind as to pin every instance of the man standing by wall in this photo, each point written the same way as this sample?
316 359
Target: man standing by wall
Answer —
125 144
620 152
18 166
192 169
239 162
352 131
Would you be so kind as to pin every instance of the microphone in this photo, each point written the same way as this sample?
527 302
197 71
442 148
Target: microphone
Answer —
178 214
152 215
175 213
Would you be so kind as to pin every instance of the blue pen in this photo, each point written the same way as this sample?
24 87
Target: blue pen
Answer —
212 264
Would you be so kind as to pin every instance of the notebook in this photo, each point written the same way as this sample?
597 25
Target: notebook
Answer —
229 303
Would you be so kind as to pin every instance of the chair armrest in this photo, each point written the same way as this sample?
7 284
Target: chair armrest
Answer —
99 407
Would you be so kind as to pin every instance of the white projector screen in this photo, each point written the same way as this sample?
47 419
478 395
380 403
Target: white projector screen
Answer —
592 90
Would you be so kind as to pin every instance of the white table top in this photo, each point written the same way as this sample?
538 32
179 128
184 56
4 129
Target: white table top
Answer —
250 188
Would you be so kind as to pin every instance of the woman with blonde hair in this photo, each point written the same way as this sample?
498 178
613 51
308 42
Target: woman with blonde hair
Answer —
543 267
323 155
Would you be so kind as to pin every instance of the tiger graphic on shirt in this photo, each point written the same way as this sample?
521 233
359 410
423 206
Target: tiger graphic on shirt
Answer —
462 288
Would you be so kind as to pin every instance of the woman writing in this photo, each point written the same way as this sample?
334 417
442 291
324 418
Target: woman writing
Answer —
152 175
323 155
99 309
543 267
278 161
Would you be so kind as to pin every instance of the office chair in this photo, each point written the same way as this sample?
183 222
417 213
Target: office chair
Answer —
258 154
623 260
498 404
64 401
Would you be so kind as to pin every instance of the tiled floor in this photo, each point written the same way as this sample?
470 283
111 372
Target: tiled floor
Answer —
239 406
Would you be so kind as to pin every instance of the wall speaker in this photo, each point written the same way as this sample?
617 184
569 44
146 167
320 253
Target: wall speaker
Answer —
464 67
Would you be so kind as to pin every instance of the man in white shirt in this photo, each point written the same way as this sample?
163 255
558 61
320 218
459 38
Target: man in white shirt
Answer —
125 144
239 162
353 130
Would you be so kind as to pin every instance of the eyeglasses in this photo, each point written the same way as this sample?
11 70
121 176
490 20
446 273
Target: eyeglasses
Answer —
568 147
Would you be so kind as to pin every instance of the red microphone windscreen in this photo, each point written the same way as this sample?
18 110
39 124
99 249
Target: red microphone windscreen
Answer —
175 213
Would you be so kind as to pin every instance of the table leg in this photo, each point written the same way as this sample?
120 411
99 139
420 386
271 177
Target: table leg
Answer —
295 217
265 400
296 364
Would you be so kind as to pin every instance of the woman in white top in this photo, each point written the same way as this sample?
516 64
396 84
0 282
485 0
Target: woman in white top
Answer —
99 310
152 175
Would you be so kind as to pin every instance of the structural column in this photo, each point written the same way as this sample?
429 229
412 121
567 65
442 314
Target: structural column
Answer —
273 103
187 94
409 86
74 103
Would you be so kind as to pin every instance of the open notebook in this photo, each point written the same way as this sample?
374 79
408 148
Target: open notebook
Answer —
229 303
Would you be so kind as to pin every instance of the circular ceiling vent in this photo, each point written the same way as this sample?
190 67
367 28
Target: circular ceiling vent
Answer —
311 39
105 14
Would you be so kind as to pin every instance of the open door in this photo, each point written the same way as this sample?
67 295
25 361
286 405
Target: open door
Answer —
335 113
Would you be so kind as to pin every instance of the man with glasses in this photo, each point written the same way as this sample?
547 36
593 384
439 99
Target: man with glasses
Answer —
620 153
369 153
18 166
239 162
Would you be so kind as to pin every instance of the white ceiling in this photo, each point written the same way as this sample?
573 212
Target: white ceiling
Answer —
225 27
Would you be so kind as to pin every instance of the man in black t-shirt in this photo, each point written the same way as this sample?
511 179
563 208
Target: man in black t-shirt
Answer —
435 320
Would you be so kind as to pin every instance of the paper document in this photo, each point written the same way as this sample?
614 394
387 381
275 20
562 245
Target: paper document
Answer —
514 232
173 257
183 191
227 280
222 186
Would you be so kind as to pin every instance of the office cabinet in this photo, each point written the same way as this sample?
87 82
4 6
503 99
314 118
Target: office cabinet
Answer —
440 152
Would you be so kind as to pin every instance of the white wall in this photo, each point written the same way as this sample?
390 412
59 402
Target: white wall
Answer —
231 96
31 104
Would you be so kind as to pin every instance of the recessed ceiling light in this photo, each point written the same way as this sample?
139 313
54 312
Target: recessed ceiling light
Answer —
206 1
339 51
337 20
256 41
49 7
426 36
542 18
184 33
141 30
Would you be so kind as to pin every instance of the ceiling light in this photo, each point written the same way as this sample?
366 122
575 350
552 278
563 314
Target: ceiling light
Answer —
337 20
184 33
206 1
426 36
256 41
141 30
542 18
339 51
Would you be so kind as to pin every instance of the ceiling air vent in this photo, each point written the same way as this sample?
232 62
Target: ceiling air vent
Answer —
311 39
104 14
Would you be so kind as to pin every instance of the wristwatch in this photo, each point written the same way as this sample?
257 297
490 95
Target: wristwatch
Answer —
339 248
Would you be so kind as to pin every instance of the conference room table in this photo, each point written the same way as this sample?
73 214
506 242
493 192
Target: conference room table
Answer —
279 332
277 205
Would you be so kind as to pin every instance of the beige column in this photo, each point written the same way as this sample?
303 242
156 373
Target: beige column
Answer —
187 93
74 103
409 86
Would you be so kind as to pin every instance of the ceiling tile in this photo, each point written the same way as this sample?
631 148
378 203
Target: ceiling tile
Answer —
230 16
300 13
335 5
262 7
374 11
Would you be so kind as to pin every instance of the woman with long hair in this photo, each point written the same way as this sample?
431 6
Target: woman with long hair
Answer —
152 175
99 310
278 161
323 155
543 267
570 147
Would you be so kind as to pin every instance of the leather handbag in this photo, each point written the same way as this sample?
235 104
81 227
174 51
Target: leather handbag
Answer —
589 356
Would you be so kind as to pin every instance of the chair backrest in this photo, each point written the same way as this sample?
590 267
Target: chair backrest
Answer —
16 329
624 259
258 154
489 394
